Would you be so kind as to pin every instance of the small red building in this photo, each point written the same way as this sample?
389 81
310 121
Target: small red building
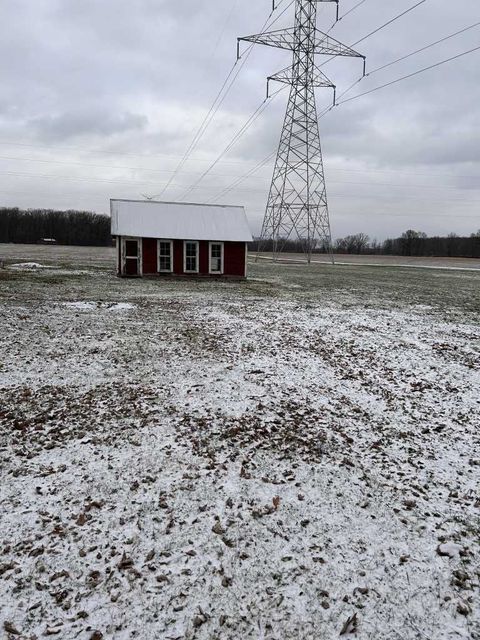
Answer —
179 239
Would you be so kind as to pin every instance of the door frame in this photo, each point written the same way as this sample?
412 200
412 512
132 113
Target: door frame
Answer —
139 256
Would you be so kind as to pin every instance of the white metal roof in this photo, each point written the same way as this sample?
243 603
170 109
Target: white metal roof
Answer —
179 221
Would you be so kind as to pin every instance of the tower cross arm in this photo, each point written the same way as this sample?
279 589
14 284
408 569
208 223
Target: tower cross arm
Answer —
293 76
325 44
290 75
281 39
289 39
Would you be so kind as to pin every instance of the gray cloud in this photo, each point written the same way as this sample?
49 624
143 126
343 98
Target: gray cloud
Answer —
126 84
86 123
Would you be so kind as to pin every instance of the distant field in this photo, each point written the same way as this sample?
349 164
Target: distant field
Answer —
59 255
102 256
385 261
291 457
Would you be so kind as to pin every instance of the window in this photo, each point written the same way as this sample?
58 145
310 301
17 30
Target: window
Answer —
165 256
191 257
216 257
131 248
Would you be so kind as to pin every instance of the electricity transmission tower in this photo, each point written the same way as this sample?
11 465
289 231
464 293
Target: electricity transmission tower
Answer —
297 203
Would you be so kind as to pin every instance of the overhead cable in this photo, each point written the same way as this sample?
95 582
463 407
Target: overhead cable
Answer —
200 130
433 66
383 26
428 46
247 175
359 4
100 166
400 15
219 99
236 138
410 75
401 59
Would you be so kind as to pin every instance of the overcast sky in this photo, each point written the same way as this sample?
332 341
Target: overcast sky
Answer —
101 98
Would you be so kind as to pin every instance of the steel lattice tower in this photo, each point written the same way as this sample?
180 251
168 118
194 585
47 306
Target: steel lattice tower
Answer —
297 203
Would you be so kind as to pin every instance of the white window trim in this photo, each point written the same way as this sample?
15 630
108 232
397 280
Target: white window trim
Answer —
171 256
185 242
118 251
222 268
139 257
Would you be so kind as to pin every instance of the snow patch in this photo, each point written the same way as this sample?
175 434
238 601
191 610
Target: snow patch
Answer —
83 305
122 306
29 266
450 549
238 461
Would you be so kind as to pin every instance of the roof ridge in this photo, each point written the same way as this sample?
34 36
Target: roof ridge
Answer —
190 204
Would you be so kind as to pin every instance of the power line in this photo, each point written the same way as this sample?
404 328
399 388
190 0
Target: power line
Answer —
405 57
249 173
405 215
347 13
222 32
246 54
410 75
74 178
80 197
442 176
383 26
400 15
99 151
225 83
244 59
398 186
196 187
422 49
219 99
408 215
199 132
252 118
103 166
297 202
288 6
381 196
263 162
236 138
222 175
348 195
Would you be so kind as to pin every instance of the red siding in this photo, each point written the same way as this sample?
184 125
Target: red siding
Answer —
204 259
234 259
178 257
149 248
178 249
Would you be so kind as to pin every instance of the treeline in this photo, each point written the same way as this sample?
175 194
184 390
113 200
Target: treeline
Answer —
31 226
85 228
410 243
415 243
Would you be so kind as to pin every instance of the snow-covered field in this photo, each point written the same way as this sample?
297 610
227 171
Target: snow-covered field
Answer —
292 457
